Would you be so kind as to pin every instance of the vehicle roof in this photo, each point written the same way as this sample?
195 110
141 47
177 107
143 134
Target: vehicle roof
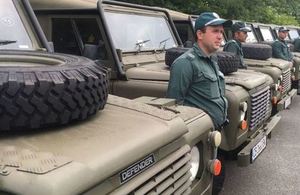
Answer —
64 4
176 15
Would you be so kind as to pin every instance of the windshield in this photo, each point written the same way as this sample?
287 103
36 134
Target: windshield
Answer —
266 33
131 32
251 37
293 34
13 33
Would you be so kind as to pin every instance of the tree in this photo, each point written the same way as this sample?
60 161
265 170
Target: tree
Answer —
281 12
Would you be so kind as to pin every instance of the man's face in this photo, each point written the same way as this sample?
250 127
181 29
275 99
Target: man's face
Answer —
210 40
241 36
283 35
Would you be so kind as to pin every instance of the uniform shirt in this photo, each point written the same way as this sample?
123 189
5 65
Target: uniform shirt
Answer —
196 81
234 46
297 45
281 50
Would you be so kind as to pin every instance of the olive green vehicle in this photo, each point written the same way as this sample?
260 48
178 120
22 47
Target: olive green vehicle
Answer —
279 70
293 34
263 33
55 140
132 40
248 80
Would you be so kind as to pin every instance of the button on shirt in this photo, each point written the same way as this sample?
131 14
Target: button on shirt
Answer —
196 81
281 50
235 47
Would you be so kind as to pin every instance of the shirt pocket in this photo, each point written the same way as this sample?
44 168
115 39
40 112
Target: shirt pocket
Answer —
208 85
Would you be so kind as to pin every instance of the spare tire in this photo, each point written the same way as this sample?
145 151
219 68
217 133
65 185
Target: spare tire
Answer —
39 89
228 62
173 53
267 42
257 51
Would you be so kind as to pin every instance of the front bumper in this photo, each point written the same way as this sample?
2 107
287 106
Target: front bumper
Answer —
244 156
286 100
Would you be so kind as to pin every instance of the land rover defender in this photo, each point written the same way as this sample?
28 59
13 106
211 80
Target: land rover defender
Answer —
135 53
54 139
279 70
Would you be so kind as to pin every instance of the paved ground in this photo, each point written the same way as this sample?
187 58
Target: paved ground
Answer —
277 169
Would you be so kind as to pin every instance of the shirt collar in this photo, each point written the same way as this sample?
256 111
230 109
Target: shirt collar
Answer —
283 41
238 42
199 51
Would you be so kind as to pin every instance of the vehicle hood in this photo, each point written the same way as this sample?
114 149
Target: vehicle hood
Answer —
79 156
246 78
160 72
155 72
297 54
274 62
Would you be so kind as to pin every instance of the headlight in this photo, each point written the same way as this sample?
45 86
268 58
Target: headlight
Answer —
195 160
280 78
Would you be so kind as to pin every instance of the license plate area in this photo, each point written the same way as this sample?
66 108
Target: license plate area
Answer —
287 102
258 148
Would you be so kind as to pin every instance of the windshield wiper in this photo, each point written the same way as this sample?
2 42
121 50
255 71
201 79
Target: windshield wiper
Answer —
139 44
6 42
163 42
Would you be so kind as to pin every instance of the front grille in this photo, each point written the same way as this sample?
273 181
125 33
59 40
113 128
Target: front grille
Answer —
286 81
170 175
260 107
174 179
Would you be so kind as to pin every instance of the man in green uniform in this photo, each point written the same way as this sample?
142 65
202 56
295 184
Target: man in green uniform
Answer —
240 35
297 44
195 79
281 50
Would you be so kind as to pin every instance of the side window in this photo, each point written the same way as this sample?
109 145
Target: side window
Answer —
90 34
63 36
182 30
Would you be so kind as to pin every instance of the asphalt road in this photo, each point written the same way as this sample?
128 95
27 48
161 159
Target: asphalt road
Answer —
277 169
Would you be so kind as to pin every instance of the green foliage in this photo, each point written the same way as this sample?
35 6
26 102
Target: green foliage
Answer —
281 12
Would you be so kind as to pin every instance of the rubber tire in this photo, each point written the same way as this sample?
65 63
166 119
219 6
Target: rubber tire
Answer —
257 51
227 62
173 53
58 89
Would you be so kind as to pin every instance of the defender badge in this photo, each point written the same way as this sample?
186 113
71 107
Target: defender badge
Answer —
137 168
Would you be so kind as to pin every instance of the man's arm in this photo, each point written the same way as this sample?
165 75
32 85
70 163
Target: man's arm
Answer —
181 76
